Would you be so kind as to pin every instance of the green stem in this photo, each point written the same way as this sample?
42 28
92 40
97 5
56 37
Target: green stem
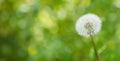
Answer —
95 50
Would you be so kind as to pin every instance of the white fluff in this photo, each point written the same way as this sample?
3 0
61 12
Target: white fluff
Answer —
86 20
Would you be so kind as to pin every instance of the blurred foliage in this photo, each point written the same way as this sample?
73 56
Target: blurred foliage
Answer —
44 30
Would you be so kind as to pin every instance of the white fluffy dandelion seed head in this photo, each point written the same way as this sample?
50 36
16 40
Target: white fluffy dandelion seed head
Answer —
89 24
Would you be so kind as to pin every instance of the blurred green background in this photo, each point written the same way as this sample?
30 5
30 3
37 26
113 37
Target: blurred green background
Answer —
44 30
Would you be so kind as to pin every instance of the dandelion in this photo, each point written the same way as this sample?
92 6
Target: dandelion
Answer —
88 25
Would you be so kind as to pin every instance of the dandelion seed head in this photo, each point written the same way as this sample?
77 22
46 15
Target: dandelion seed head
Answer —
89 24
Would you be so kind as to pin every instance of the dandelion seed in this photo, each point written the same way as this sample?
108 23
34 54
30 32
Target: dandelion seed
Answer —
89 24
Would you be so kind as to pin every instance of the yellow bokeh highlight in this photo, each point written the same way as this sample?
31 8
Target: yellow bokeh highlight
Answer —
85 3
45 19
48 21
111 45
32 51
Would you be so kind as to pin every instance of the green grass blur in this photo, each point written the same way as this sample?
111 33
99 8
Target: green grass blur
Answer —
44 30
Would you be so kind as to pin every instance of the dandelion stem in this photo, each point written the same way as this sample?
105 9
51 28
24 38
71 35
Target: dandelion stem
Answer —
95 50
